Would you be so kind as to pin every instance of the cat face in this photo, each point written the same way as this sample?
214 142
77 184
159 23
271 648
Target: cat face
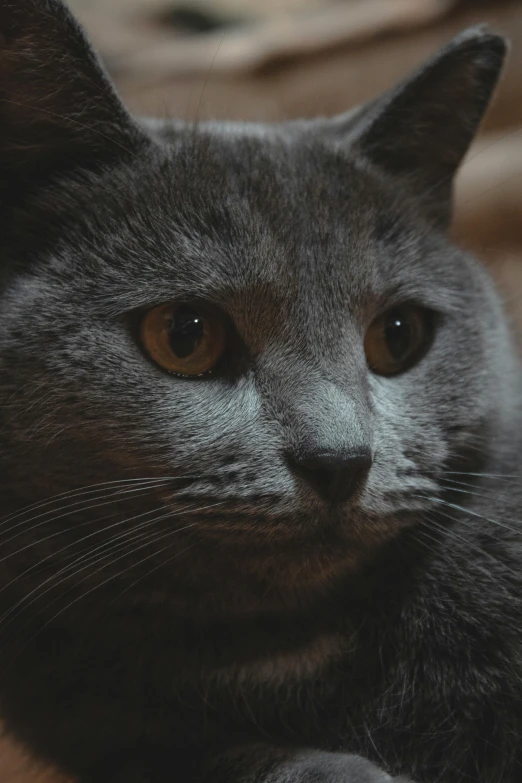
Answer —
290 244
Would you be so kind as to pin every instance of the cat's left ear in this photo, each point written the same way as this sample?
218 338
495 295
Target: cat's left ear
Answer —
420 131
58 109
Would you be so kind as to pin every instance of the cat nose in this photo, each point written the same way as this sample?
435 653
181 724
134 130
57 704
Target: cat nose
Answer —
335 475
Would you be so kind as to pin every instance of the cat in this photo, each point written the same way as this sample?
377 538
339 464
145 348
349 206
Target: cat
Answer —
260 436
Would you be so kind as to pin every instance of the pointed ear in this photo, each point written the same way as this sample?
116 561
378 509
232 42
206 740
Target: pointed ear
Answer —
420 131
57 107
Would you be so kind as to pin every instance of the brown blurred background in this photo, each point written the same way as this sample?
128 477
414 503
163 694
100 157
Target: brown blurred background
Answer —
273 59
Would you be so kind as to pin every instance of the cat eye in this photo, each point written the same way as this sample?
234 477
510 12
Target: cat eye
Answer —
397 339
183 339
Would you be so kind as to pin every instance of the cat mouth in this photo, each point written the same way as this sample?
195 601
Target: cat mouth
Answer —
317 526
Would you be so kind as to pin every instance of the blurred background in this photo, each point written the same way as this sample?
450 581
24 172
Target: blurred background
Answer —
275 59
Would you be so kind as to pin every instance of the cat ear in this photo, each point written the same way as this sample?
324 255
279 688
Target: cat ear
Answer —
57 106
421 130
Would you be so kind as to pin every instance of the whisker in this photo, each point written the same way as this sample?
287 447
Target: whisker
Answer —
484 495
432 539
100 558
125 495
78 492
505 476
471 484
475 514
72 570
116 494
97 587
97 532
469 544
112 577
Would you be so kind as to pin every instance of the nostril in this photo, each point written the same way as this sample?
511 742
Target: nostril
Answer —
318 478
359 463
345 482
335 475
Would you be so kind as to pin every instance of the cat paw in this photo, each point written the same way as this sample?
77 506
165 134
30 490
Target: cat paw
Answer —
319 767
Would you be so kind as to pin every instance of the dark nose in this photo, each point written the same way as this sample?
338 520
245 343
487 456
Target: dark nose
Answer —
335 475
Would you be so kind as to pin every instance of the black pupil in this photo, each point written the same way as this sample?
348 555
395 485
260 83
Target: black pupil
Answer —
186 331
400 336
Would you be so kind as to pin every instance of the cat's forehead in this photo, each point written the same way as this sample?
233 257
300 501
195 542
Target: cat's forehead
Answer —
282 206
248 188
269 164
255 219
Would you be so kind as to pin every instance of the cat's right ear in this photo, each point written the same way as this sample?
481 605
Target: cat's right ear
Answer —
58 109
420 131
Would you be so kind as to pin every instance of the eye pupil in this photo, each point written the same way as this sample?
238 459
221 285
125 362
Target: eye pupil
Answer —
399 337
186 331
184 339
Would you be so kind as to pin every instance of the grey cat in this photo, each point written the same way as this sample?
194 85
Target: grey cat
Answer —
259 436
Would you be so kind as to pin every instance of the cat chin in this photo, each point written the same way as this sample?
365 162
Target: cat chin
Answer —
289 566
297 556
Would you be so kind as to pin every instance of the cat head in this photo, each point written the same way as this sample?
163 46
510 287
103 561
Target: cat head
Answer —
258 332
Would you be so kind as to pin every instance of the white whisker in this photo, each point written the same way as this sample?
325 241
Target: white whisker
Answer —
78 493
60 532
450 533
505 476
101 558
97 587
97 532
476 514
72 570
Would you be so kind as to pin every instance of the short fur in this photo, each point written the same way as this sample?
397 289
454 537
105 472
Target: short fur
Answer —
176 602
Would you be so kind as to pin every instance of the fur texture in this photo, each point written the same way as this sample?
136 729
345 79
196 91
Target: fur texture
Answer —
176 602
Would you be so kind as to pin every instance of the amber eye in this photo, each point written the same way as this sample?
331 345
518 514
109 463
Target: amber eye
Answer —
183 339
397 339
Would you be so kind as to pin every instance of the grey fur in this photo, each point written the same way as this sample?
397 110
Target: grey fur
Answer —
301 234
